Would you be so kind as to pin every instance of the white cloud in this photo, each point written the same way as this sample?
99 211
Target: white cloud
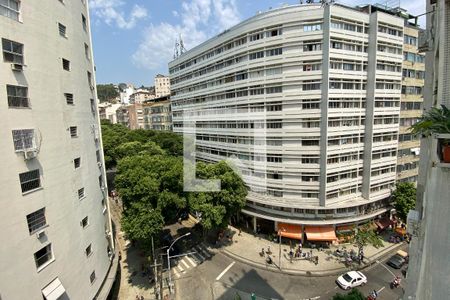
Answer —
110 12
198 20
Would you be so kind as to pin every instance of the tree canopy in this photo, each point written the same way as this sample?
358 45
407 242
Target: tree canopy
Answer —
119 142
149 180
365 235
404 198
107 92
354 294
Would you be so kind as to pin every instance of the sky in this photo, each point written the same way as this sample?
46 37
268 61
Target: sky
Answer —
133 40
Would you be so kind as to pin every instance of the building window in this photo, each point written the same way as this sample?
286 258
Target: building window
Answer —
77 162
81 193
85 222
10 9
89 78
17 96
312 27
30 180
84 22
86 51
89 252
69 98
12 52
36 220
66 64
43 256
23 139
62 30
73 131
92 277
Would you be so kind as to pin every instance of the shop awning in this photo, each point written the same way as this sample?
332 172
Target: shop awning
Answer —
320 233
54 290
290 231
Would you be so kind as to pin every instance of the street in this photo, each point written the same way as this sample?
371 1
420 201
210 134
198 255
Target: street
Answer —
219 277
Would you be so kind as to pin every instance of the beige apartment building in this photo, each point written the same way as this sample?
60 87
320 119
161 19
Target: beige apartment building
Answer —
157 114
411 105
162 85
140 96
57 235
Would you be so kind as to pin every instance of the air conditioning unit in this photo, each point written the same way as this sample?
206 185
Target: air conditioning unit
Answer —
17 67
40 234
30 153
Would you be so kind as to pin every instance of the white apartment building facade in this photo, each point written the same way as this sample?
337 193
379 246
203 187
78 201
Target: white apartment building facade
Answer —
326 85
57 241
162 86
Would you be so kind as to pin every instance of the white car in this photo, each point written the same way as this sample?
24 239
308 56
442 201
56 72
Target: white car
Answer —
351 279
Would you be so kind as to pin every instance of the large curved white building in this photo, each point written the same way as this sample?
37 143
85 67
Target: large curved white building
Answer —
56 229
324 82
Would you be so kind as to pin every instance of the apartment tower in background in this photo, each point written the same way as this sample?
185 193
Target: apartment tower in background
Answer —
325 82
162 86
411 105
57 240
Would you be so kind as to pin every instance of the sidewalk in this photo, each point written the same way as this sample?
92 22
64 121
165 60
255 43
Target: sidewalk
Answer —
246 248
132 283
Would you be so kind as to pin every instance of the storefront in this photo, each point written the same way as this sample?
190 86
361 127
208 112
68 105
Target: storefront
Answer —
320 234
290 231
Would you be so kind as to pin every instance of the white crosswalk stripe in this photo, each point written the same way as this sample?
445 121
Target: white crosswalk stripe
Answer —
185 264
191 261
199 253
176 273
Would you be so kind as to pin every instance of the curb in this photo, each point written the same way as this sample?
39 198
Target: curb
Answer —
371 261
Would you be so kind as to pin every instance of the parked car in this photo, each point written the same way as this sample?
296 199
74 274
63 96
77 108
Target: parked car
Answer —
398 260
351 279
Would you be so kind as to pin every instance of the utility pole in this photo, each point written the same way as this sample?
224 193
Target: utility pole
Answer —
155 268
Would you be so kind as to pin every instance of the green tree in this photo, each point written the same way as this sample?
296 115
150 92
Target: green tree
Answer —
155 180
141 221
354 294
365 235
404 198
107 92
217 208
134 148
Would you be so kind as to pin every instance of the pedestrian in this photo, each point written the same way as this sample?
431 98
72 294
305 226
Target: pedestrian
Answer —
239 234
268 250
142 298
137 297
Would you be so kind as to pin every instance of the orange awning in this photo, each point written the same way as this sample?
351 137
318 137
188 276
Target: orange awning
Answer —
320 233
290 231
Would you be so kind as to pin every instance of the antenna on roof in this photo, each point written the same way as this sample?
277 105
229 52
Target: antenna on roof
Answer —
175 50
182 49
179 48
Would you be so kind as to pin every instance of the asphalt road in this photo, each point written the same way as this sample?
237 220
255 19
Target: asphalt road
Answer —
219 277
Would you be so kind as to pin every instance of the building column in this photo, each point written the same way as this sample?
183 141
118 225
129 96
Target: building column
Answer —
254 224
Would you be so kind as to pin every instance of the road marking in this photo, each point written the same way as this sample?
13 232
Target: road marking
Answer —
180 268
185 264
198 253
204 252
226 270
191 261
176 273
380 290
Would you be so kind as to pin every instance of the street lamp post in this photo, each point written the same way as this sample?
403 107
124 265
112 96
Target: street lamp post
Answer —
168 258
